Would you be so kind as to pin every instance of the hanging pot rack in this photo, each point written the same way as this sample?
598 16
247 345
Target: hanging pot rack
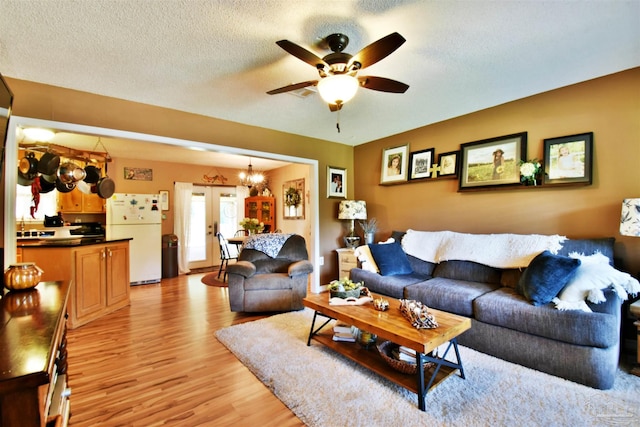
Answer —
87 156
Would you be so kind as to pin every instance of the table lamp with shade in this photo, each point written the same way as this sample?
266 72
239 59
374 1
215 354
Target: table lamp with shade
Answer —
352 210
630 218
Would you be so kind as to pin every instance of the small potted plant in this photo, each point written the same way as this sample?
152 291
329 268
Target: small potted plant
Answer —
252 225
345 288
369 229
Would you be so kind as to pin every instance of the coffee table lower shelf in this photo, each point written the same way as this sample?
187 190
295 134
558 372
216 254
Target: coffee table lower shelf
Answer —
372 360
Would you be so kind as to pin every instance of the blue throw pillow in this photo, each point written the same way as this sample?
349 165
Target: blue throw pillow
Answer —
545 277
391 259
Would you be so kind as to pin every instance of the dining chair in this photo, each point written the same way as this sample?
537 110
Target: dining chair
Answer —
225 256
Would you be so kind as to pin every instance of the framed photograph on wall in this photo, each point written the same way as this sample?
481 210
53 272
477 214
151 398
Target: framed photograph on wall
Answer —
568 159
420 163
138 174
449 164
492 162
336 182
164 200
394 164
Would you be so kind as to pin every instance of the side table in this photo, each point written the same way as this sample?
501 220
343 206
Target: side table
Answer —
346 261
635 310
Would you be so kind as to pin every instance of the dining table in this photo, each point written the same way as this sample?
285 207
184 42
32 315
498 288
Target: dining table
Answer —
238 241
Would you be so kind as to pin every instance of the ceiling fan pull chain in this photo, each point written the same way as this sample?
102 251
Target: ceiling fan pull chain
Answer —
338 122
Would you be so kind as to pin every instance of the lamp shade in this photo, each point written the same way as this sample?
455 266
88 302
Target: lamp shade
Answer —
630 218
338 89
352 209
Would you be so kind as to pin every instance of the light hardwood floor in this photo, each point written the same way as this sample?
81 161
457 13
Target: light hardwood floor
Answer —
157 362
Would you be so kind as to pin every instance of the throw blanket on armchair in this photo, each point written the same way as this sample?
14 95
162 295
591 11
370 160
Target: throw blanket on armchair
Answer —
494 250
268 243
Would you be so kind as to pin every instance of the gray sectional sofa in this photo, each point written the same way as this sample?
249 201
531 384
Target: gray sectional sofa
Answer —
576 345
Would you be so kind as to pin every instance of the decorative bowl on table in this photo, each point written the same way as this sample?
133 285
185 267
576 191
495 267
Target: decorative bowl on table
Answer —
345 288
22 276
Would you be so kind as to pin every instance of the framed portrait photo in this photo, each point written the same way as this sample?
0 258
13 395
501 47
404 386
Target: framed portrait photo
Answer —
449 164
336 182
420 163
569 159
492 162
394 164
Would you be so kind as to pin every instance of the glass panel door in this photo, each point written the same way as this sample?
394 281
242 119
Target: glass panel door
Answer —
213 209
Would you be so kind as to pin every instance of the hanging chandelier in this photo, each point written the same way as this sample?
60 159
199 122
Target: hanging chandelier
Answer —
250 178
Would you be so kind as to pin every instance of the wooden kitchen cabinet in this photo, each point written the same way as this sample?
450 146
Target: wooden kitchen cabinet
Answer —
262 208
99 274
78 202
33 361
102 281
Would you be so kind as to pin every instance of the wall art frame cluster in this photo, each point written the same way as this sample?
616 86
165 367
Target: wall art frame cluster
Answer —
492 163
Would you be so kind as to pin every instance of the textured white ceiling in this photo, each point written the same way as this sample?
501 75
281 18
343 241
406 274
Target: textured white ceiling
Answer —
218 57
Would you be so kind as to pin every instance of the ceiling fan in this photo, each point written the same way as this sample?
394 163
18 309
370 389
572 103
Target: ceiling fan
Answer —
338 70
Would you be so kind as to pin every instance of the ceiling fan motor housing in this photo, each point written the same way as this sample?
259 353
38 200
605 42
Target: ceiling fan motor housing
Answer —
337 42
338 62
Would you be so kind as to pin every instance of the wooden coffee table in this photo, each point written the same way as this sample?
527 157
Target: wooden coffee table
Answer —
392 326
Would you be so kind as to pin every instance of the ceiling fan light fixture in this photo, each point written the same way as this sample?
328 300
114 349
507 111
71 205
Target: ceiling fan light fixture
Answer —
39 134
338 89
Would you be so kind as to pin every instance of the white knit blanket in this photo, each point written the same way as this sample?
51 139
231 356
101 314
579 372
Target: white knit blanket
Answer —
494 250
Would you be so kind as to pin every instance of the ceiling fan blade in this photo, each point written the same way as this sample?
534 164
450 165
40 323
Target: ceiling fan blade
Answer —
301 53
383 84
295 86
378 50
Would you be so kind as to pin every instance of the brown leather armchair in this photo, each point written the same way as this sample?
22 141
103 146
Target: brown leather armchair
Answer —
271 274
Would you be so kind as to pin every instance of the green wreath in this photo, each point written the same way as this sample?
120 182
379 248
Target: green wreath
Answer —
292 197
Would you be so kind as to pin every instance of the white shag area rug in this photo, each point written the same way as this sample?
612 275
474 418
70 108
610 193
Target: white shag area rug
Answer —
325 389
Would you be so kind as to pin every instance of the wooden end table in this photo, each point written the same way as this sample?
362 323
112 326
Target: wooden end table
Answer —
392 326
635 310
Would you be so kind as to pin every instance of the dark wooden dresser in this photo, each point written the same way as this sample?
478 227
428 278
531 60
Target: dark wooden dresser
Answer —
33 356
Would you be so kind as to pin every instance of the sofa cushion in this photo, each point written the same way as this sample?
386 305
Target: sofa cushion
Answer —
467 270
454 296
420 267
510 277
589 247
506 308
546 276
391 259
392 286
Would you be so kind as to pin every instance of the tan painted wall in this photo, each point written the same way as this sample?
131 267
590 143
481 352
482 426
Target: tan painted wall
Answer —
64 105
609 107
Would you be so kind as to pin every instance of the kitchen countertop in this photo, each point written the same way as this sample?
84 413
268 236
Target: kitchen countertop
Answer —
65 243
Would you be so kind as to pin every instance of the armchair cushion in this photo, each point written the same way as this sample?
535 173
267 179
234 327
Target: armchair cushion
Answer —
243 268
300 267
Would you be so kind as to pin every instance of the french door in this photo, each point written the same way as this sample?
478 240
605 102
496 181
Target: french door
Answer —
213 209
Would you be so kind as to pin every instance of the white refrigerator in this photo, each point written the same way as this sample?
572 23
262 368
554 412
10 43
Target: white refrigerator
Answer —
138 216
